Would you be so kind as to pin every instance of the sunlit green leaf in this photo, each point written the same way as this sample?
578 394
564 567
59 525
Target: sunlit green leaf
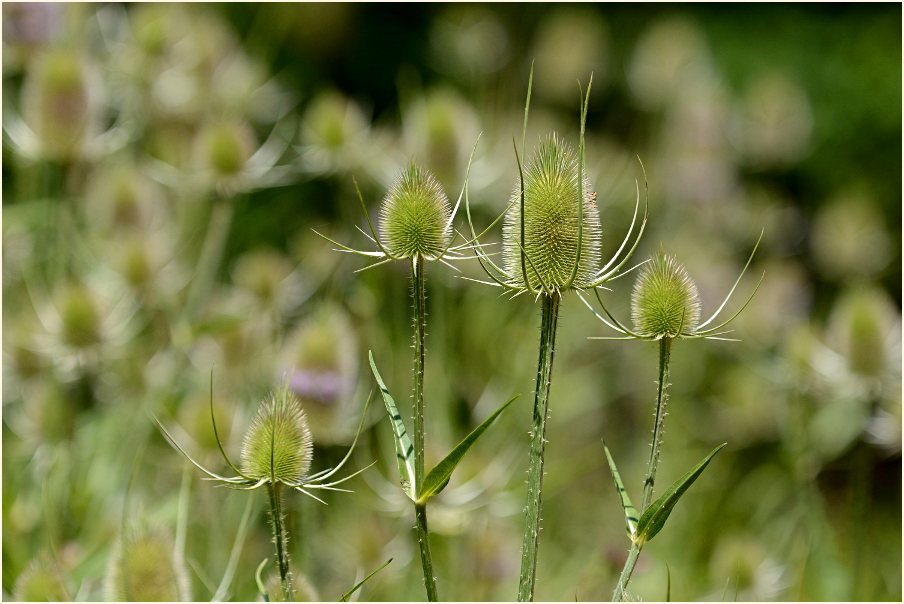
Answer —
349 593
627 506
404 448
654 517
438 477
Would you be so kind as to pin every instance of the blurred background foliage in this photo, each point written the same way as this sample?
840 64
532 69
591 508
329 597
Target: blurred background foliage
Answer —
164 164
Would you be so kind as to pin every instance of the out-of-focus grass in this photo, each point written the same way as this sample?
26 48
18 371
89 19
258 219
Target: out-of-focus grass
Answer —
783 117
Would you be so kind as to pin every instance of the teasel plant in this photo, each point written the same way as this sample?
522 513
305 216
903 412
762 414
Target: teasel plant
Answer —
417 227
552 244
277 452
665 307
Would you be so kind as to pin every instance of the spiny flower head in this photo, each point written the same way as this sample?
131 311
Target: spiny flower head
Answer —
277 449
416 216
58 102
279 435
665 304
41 581
225 147
551 235
665 301
142 569
558 203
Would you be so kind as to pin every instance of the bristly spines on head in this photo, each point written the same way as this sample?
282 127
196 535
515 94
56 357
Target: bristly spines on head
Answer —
416 216
279 431
665 302
554 189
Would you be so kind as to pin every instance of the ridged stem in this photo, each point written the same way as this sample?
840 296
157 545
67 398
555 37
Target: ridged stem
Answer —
537 446
279 538
423 541
418 294
662 399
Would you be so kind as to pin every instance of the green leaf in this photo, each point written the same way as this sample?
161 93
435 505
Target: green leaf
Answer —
630 510
260 584
404 448
438 477
349 593
654 517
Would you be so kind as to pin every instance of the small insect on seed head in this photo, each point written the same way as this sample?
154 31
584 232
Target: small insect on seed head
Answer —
416 216
278 445
665 302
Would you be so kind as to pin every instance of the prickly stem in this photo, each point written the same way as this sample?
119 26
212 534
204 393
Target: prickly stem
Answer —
538 433
662 399
420 326
280 538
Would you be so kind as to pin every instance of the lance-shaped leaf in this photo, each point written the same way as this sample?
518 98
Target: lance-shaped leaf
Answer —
437 479
630 510
404 448
654 517
357 586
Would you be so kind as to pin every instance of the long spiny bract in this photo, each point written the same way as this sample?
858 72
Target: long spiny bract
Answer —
552 220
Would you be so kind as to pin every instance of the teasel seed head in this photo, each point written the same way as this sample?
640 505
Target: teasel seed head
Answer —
225 147
142 569
416 216
552 222
41 581
81 319
665 302
280 429
58 102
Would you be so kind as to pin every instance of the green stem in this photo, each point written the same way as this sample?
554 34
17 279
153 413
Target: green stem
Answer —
279 537
662 399
420 331
537 446
423 541
420 328
619 594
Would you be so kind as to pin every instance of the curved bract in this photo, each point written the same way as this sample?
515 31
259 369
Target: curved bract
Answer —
551 237
416 221
416 216
665 304
555 195
664 300
279 432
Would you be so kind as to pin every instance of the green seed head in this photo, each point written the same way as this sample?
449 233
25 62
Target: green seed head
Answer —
552 221
57 101
142 570
40 582
665 301
416 216
225 147
81 319
280 429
